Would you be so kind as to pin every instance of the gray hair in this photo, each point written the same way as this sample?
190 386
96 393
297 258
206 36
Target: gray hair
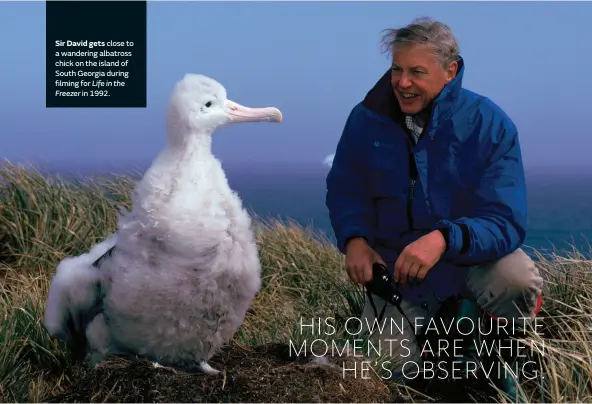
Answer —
424 30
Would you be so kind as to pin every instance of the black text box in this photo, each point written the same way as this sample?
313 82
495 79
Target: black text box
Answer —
96 53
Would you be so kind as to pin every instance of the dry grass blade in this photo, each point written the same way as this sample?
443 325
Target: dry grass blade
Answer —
45 218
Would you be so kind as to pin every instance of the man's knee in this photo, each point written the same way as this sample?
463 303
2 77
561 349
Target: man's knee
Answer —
517 273
510 286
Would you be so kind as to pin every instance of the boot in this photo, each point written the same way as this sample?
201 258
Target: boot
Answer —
463 314
503 356
477 339
467 323
467 317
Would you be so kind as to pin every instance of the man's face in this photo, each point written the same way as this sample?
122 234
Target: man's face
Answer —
417 76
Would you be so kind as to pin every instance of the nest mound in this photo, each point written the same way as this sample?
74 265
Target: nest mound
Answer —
266 373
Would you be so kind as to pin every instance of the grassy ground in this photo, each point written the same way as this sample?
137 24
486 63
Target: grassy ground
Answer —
42 220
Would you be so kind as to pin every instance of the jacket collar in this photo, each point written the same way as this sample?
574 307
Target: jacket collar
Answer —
381 99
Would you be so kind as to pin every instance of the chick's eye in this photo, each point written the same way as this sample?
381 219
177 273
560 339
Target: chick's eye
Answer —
209 104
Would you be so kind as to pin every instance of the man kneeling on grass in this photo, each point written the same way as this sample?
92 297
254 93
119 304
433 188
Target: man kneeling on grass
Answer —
428 180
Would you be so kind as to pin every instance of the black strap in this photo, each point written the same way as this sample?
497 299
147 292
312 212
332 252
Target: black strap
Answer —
398 306
369 294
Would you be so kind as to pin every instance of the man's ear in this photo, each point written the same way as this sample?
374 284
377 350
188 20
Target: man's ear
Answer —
451 71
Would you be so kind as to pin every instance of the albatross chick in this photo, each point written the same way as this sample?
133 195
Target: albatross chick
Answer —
175 282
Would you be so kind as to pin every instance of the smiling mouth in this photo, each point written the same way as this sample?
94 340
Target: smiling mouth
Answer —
407 96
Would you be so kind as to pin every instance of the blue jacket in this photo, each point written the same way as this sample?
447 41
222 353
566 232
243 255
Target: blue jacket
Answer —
469 183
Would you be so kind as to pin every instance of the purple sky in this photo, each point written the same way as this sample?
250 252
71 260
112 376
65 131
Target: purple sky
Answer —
314 61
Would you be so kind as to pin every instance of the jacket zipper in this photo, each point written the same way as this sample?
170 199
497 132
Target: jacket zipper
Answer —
410 204
413 173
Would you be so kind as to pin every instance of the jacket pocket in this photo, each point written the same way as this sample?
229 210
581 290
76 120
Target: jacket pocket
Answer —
387 172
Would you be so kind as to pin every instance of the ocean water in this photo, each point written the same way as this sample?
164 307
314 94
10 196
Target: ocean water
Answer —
560 205
560 202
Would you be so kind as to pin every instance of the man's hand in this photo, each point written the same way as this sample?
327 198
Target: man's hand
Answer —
359 259
416 260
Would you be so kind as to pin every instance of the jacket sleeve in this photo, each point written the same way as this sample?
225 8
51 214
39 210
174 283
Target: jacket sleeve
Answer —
498 224
348 201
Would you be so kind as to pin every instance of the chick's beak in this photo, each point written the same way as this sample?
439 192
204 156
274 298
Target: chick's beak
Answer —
239 113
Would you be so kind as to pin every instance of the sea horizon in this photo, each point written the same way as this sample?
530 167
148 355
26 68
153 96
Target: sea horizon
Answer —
560 212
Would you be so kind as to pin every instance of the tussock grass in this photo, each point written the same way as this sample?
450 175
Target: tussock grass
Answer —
43 219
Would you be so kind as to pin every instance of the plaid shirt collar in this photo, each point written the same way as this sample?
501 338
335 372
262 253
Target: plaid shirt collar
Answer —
415 129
